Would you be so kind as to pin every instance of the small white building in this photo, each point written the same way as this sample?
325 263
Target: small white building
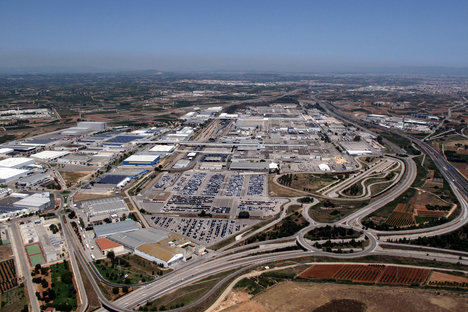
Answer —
324 167
162 149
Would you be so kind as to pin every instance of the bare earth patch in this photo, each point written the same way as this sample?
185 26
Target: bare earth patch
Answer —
73 177
5 252
443 277
89 196
235 297
301 296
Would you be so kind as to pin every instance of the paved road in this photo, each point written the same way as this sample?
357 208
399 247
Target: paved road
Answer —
240 257
457 183
24 263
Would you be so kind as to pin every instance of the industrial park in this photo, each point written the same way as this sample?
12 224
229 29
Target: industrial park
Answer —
168 198
212 156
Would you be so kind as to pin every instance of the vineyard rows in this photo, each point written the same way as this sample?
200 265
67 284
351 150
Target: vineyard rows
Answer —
8 278
380 274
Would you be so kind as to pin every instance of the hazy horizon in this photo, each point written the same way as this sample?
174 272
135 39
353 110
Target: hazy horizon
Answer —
273 36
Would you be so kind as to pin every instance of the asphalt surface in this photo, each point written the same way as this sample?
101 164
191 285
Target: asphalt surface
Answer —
242 259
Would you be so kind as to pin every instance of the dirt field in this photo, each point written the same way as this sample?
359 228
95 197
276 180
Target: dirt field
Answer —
88 196
440 278
462 167
302 296
427 198
72 177
5 252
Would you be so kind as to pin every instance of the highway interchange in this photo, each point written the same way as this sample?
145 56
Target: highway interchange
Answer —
241 259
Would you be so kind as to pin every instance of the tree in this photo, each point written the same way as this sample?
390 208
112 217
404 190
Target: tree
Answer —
67 277
115 290
244 215
53 228
111 256
380 139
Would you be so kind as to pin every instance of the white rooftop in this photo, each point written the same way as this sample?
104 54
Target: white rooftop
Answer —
162 148
48 155
6 150
324 167
14 162
35 200
7 173
143 158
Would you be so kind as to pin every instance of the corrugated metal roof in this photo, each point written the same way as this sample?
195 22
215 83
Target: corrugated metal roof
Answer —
159 251
136 238
107 229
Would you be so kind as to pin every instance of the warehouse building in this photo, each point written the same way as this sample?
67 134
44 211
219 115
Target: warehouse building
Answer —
92 125
35 179
7 212
247 165
35 202
11 174
106 246
161 253
49 155
100 209
75 159
153 245
356 148
109 229
16 162
141 160
324 167
6 150
162 149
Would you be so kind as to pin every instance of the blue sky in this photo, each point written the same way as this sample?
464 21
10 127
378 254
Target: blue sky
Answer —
232 35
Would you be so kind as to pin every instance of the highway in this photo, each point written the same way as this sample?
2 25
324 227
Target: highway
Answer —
457 183
243 258
76 272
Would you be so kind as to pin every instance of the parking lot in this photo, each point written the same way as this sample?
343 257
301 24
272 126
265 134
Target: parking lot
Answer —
202 231
193 184
165 181
234 187
214 184
256 184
